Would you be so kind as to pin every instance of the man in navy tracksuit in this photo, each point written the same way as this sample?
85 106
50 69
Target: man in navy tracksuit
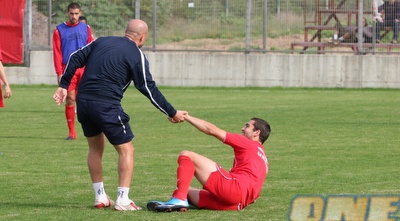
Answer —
112 63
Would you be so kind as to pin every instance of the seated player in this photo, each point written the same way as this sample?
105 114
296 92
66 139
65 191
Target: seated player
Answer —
222 190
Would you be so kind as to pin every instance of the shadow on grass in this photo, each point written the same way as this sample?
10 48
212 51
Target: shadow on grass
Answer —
43 205
18 137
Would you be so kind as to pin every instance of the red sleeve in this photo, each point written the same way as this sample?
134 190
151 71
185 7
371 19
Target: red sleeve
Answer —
90 33
237 141
57 54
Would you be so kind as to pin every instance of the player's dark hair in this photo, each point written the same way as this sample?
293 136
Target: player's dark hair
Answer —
73 5
83 18
263 126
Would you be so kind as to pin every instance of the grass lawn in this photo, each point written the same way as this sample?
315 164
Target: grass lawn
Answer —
324 141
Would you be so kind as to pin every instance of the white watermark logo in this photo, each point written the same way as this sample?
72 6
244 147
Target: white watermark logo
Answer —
345 207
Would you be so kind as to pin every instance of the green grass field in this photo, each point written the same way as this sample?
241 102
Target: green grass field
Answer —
324 141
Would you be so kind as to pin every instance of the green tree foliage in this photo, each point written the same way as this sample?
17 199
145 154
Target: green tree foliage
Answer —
107 17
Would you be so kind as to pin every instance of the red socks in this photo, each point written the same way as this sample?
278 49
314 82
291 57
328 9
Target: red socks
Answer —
70 115
184 174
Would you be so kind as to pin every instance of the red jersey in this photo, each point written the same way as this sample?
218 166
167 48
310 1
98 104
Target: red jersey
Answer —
250 166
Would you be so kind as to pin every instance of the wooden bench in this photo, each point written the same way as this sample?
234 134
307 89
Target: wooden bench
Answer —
320 45
354 46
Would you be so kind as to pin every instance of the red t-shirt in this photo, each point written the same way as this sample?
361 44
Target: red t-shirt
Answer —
250 166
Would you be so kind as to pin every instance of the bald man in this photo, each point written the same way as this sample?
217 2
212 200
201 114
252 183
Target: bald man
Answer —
112 63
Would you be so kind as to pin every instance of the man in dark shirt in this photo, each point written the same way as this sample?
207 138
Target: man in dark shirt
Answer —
391 11
112 63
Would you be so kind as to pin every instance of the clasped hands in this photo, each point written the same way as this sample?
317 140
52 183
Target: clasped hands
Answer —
179 117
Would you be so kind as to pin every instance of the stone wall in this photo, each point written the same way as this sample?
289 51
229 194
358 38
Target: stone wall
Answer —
242 70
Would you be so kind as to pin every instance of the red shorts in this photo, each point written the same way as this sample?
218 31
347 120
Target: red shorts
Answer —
76 79
221 192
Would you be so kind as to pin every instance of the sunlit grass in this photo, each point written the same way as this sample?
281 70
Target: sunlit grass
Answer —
324 141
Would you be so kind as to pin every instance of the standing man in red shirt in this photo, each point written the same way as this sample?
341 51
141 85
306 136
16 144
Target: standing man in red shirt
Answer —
222 190
68 37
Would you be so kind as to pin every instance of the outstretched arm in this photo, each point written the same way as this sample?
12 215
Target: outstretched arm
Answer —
178 117
5 82
206 127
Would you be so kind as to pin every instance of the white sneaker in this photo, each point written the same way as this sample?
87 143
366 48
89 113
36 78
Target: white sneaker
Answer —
103 204
130 206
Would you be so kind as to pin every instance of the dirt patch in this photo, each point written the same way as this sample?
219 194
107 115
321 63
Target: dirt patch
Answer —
40 28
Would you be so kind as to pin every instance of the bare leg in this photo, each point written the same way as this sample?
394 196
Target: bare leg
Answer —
346 36
125 163
125 173
94 158
203 166
193 196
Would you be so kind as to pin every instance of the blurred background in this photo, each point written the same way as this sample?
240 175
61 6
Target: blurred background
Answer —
226 25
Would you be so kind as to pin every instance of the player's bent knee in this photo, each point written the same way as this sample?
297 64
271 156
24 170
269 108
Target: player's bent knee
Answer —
185 153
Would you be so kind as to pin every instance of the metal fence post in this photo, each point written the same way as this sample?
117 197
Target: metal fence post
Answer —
50 15
136 4
154 24
27 29
265 24
360 27
248 26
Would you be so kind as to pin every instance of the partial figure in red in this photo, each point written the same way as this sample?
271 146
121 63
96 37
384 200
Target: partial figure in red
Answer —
3 81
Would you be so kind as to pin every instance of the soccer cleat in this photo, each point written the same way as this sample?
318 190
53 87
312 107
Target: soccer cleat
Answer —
103 204
173 205
71 138
131 206
152 205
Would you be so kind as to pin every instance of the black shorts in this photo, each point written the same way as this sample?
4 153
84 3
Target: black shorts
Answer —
97 117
